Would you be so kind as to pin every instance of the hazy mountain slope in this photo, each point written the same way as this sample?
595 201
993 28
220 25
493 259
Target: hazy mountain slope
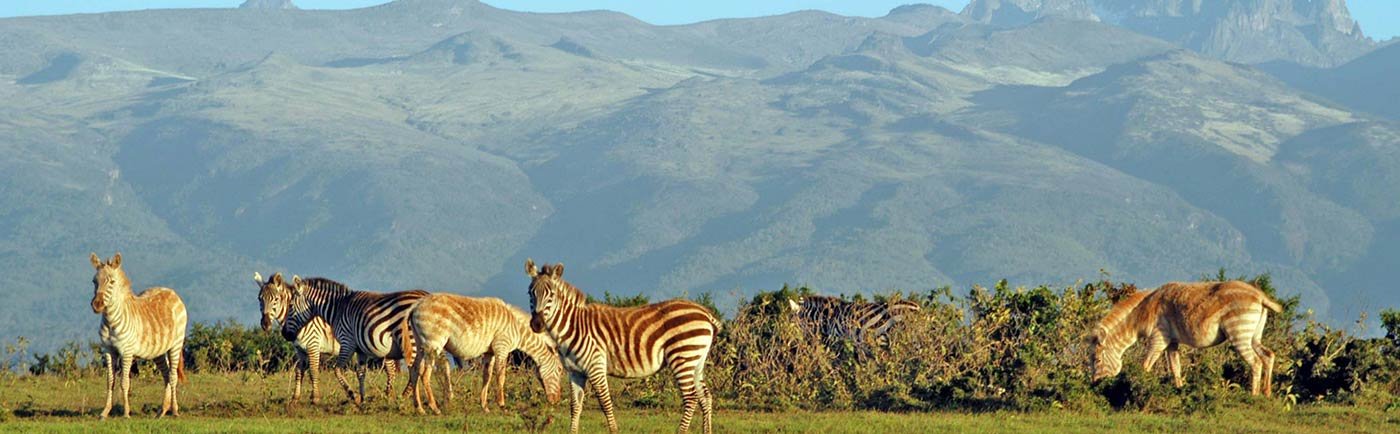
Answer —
438 143
1366 84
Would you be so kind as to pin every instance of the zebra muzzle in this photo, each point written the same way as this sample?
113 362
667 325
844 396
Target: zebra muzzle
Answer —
267 323
536 324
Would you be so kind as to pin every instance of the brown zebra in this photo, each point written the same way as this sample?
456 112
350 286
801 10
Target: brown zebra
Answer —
150 326
470 327
1197 315
596 341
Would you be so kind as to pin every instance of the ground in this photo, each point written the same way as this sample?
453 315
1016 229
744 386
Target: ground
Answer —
246 402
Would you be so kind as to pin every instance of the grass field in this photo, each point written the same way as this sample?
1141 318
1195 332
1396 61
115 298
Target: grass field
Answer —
240 402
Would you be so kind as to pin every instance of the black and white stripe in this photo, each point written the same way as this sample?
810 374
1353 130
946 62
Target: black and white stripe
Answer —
835 319
372 325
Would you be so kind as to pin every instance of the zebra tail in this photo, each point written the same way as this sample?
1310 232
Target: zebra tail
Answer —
180 371
406 341
1270 304
714 320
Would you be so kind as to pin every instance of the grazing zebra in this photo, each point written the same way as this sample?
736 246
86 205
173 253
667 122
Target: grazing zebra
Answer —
369 324
1198 315
835 319
488 328
150 326
311 335
596 341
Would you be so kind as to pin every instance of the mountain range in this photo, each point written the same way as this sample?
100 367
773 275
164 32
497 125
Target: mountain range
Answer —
438 143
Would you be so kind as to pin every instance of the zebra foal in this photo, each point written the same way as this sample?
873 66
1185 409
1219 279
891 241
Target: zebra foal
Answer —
150 326
596 341
310 335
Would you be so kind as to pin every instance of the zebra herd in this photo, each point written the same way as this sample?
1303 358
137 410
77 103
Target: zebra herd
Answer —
564 333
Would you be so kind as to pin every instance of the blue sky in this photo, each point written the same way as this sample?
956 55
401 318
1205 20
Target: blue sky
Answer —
1379 18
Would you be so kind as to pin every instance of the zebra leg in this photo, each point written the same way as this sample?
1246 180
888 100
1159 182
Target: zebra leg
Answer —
1244 345
1266 356
426 360
688 380
361 369
126 384
502 362
446 376
707 407
297 374
1174 364
340 377
488 362
1155 347
176 367
111 382
578 380
598 378
163 365
313 365
391 368
415 375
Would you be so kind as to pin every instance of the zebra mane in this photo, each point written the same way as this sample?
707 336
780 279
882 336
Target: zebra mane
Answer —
328 287
1120 316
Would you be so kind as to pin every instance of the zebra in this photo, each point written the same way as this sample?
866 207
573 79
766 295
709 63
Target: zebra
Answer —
369 324
470 327
835 319
311 335
150 326
596 341
1197 315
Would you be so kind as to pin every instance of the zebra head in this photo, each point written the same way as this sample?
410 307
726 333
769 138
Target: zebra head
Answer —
108 283
548 292
273 297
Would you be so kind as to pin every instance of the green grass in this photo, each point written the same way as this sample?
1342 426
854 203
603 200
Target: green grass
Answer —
253 403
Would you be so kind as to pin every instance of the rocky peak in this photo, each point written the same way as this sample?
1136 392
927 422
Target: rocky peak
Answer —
1308 32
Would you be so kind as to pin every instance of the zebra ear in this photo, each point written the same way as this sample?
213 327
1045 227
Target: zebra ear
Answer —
793 304
296 280
96 261
530 269
558 270
277 278
116 261
257 278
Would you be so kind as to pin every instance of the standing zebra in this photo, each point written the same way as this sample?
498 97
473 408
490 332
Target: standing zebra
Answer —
470 327
835 319
311 335
369 324
1198 315
150 326
596 341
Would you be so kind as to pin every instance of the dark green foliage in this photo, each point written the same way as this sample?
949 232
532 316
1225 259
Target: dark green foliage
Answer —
230 346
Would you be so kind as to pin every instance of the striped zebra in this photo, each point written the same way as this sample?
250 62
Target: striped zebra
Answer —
835 319
1197 315
596 341
468 328
311 335
368 324
150 326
